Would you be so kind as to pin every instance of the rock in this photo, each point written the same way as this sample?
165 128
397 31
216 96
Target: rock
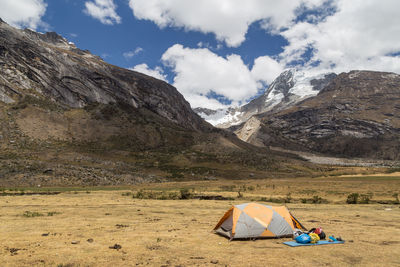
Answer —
116 246
90 240
75 242
214 261
48 171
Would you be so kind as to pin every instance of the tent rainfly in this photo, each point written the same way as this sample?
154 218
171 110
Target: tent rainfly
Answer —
253 220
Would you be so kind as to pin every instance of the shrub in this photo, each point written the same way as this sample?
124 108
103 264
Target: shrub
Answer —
185 194
32 214
316 200
352 198
393 169
288 198
277 200
365 198
240 195
51 213
139 194
173 195
396 196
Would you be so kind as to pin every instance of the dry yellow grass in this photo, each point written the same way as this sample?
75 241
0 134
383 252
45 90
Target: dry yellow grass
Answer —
178 232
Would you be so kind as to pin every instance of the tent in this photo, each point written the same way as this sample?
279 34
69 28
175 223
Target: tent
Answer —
253 220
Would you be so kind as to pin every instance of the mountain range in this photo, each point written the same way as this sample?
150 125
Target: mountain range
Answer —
288 88
355 114
69 118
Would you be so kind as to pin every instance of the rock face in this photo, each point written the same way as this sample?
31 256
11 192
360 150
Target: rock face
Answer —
48 65
287 89
356 115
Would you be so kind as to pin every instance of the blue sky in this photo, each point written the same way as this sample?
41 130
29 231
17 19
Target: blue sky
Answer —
226 52
67 18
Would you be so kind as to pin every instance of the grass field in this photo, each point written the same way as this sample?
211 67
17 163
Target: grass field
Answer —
77 228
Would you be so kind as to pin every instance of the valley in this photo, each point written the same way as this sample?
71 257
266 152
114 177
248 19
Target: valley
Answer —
83 225
129 129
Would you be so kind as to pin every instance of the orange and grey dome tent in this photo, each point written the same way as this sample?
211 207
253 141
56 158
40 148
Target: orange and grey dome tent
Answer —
253 220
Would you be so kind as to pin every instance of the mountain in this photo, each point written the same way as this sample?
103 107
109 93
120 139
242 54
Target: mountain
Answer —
288 88
49 65
356 115
69 118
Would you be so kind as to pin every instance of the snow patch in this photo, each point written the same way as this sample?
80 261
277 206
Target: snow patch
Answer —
222 116
302 85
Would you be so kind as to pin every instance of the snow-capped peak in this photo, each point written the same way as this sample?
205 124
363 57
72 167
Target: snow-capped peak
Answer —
290 87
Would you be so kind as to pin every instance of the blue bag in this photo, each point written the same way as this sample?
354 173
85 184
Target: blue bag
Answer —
303 239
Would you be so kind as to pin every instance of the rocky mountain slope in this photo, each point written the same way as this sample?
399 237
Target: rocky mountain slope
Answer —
288 88
69 118
356 115
47 64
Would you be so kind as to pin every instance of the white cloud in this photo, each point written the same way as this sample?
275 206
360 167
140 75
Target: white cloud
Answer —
103 10
227 19
201 73
131 54
197 100
23 13
266 69
338 36
157 72
360 35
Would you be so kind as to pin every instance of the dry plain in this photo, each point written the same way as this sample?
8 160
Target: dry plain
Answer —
78 226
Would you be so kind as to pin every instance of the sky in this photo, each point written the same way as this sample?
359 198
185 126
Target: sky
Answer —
223 53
